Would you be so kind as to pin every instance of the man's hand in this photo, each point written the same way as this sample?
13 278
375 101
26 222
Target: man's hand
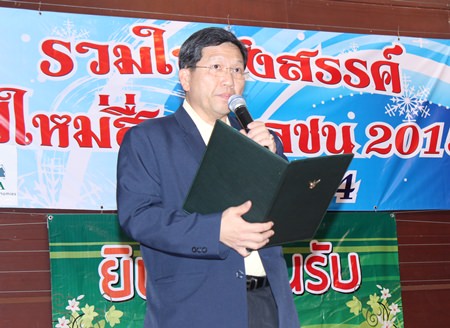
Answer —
260 133
241 235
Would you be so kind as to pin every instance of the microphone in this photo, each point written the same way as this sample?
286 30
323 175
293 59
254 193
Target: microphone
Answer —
237 104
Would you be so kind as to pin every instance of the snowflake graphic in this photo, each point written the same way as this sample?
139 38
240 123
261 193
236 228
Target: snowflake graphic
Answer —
354 47
421 42
69 31
411 104
46 191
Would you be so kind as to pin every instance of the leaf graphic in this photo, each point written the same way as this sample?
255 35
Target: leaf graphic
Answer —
113 316
354 305
100 324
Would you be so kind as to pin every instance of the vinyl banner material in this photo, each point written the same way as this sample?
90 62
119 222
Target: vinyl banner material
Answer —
346 277
71 85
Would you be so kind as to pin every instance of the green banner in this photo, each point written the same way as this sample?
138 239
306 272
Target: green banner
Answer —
347 276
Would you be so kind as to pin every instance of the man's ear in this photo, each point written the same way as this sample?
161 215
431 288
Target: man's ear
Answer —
184 76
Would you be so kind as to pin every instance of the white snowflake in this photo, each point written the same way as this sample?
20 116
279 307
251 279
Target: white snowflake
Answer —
421 42
353 47
69 32
410 104
45 189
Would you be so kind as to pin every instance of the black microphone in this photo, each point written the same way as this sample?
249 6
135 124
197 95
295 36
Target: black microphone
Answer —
236 103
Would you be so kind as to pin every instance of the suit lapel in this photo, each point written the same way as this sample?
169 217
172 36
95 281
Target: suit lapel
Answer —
192 137
234 122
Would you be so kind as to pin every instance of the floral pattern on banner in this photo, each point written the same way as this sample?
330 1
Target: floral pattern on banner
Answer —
381 314
87 317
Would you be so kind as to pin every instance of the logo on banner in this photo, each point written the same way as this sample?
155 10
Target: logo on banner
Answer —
8 176
2 177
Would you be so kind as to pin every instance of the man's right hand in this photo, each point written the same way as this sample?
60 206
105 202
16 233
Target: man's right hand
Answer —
241 235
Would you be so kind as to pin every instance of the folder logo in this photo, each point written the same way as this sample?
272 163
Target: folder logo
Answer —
313 184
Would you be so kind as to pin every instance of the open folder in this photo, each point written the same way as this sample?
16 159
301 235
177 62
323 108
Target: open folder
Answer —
294 195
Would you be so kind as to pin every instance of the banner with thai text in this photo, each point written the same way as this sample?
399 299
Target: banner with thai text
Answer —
71 85
348 276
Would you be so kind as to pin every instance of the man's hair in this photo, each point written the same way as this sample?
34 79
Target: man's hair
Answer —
191 50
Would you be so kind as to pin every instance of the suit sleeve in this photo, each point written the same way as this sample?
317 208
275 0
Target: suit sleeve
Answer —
278 144
149 220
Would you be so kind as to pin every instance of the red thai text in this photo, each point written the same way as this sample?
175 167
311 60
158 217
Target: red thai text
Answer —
60 56
324 271
311 67
103 129
382 75
120 275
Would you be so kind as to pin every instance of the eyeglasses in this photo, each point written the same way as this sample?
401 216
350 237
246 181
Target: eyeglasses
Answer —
219 70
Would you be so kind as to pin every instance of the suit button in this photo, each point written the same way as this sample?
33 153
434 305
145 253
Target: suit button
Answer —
240 274
200 250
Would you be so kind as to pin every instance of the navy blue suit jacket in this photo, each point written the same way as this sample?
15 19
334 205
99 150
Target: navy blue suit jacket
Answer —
193 280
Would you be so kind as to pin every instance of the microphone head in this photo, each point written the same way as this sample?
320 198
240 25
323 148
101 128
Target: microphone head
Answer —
236 101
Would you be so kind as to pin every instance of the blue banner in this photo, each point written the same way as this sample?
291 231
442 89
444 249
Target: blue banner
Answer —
71 85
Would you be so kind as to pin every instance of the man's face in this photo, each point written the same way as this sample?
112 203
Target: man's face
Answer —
208 92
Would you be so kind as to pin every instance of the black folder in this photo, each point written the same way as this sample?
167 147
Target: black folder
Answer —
294 195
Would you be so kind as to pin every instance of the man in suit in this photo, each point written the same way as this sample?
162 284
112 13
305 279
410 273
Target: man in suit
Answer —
200 272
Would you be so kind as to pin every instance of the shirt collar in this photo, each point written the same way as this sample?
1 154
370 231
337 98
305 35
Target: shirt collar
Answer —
203 127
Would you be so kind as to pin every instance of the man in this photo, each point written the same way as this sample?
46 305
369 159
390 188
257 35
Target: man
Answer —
200 272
